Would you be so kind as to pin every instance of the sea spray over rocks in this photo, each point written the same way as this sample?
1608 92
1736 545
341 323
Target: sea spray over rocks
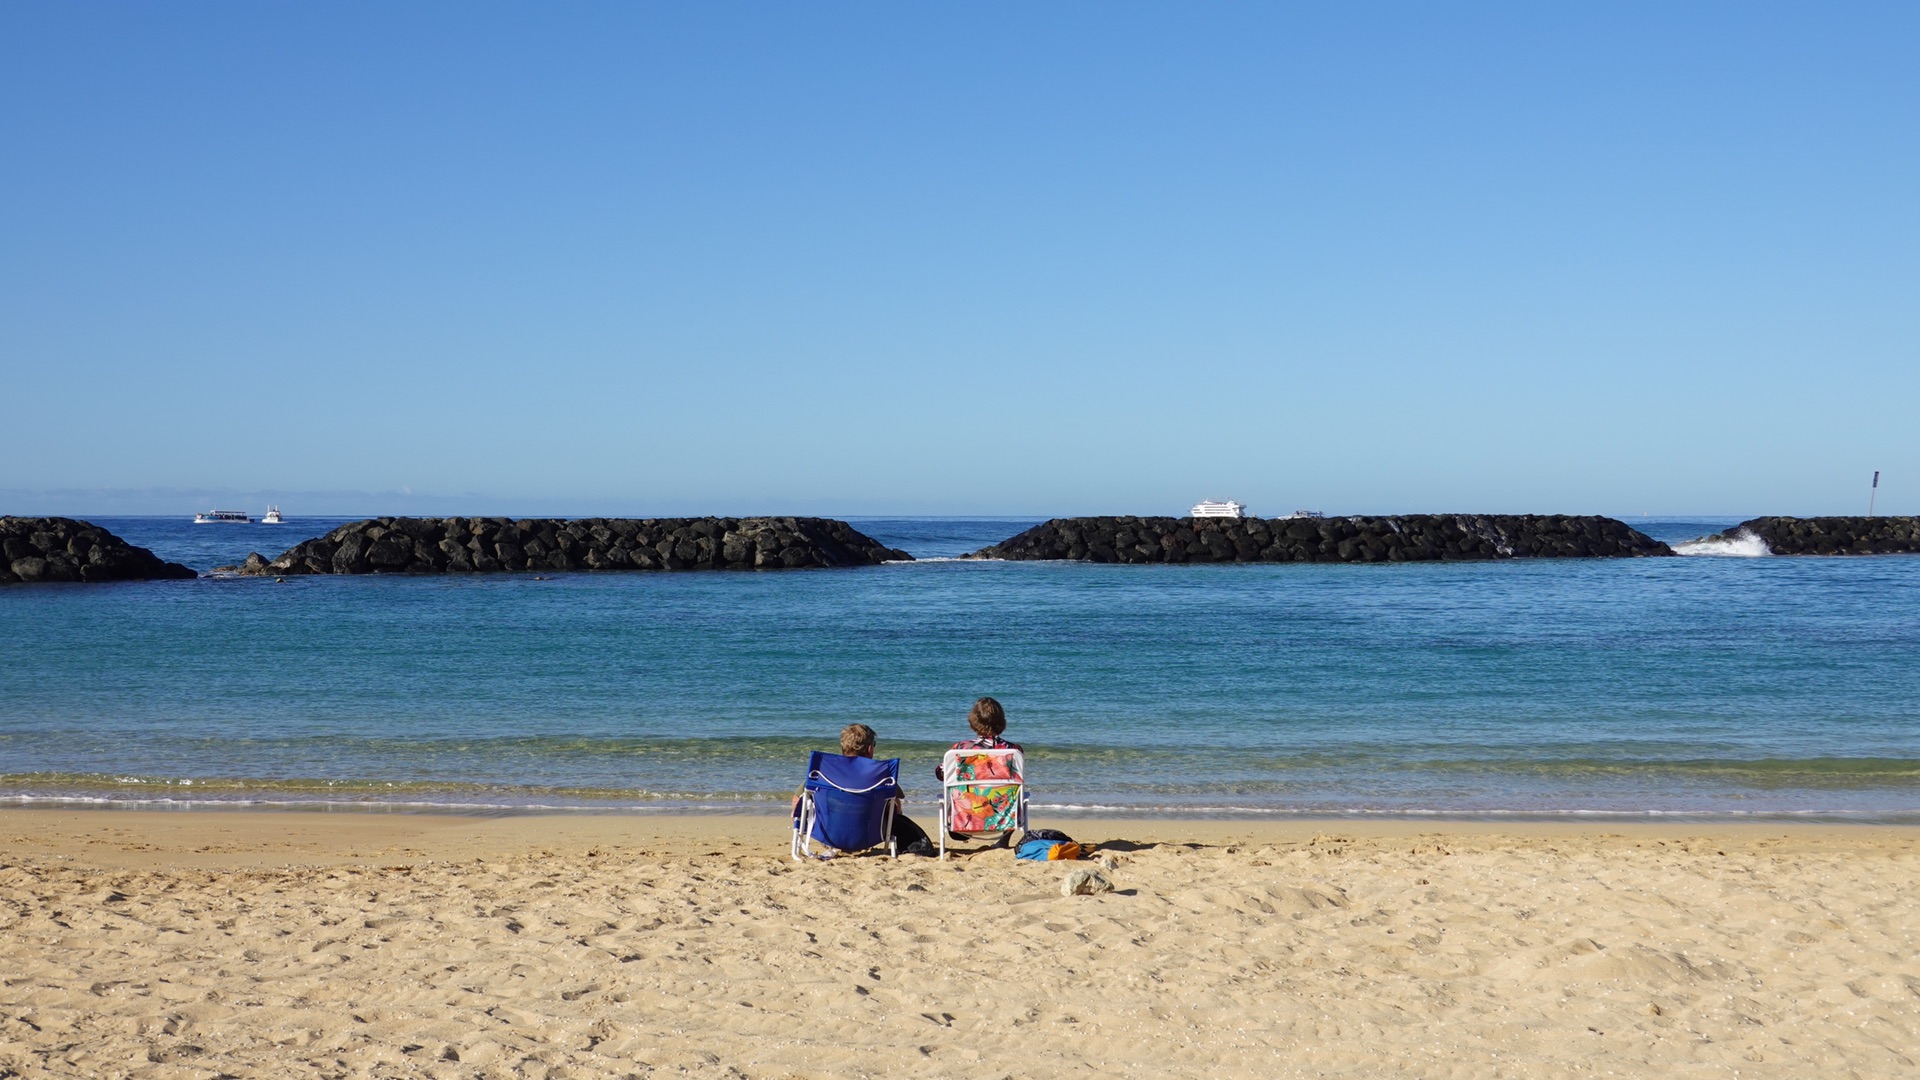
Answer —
492 545
1397 538
1819 536
1733 544
38 549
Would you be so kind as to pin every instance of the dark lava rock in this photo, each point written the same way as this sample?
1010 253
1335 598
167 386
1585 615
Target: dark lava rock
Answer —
494 545
1831 535
39 549
1398 538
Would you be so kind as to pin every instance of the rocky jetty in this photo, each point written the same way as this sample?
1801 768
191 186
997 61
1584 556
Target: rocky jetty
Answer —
1831 535
492 545
61 549
1399 538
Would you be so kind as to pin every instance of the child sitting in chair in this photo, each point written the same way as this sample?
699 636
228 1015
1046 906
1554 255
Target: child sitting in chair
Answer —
859 740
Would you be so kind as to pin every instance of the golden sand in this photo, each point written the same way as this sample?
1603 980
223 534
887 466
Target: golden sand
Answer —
305 944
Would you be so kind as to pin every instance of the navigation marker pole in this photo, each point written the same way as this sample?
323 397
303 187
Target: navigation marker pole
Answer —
1874 493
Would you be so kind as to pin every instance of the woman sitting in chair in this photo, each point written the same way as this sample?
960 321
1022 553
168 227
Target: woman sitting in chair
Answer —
988 720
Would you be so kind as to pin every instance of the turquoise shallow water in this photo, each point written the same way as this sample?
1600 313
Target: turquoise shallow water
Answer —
1689 686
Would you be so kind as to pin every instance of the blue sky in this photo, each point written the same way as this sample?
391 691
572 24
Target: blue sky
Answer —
984 258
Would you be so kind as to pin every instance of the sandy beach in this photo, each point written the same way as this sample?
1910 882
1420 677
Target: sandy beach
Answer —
301 944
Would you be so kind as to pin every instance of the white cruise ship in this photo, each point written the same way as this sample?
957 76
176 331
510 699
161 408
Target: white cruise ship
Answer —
273 516
1210 508
222 517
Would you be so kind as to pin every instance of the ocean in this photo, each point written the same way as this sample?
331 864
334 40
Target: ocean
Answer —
1688 688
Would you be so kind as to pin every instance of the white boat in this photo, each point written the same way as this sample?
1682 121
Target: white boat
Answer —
1210 508
273 516
1310 515
222 517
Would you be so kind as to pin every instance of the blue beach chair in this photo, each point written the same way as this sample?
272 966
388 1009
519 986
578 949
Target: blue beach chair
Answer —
847 804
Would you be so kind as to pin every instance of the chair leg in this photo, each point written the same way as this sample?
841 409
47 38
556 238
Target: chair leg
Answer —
803 832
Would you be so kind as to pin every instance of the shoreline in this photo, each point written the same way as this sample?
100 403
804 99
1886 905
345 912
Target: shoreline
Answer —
259 838
775 805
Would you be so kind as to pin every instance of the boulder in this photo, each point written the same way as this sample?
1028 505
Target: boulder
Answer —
1397 538
63 549
1831 535
493 545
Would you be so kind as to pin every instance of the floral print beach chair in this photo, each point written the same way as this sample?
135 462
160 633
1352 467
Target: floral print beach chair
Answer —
983 794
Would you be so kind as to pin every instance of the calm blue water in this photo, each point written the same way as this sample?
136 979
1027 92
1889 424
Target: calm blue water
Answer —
1690 686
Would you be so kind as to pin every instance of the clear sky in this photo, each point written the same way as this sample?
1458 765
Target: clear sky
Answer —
1006 258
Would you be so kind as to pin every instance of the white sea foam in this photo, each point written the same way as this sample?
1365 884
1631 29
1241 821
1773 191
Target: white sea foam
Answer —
376 806
1075 810
1329 813
1741 545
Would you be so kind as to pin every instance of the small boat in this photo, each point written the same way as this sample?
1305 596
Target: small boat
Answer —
1210 508
1310 515
222 517
273 516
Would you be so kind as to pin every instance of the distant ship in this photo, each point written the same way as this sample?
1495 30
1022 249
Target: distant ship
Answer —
1308 514
222 517
1210 508
273 516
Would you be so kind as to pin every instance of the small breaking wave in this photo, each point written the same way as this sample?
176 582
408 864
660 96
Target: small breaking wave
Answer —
1741 545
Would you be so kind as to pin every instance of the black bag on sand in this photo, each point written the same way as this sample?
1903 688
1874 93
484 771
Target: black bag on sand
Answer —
1046 834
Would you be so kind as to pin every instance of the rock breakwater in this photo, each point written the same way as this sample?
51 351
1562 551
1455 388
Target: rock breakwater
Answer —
493 545
1397 538
38 549
1831 535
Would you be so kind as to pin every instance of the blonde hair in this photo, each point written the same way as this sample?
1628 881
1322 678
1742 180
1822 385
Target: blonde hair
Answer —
987 718
856 740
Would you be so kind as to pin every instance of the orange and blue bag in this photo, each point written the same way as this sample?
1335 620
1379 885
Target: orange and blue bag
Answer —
1049 845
